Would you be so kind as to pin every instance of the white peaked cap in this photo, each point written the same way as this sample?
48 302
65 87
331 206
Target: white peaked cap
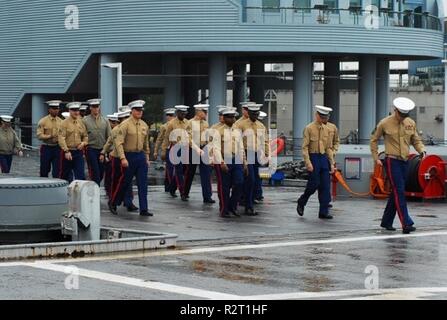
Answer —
323 110
404 105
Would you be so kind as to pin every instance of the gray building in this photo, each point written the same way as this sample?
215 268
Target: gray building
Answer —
172 50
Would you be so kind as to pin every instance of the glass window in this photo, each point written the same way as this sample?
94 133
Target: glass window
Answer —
301 4
270 5
375 3
355 3
332 4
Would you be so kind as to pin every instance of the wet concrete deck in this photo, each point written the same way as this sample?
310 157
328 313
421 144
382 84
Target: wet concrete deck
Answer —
275 255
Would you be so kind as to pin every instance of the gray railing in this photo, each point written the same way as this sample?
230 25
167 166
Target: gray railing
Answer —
384 17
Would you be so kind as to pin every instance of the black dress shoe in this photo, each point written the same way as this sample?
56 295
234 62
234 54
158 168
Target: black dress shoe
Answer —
112 208
250 212
172 193
184 198
235 213
299 209
327 216
408 229
329 205
209 201
225 215
132 208
146 213
389 228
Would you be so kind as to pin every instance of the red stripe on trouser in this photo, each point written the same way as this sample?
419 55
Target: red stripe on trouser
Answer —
396 196
112 159
61 164
118 187
220 189
89 165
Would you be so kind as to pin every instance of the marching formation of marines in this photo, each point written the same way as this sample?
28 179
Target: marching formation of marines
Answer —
116 149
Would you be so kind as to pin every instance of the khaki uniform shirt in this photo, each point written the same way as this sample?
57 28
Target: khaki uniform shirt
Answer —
316 139
9 142
109 147
334 138
72 133
98 130
172 125
217 125
252 139
229 145
132 136
238 121
398 137
160 137
48 130
198 136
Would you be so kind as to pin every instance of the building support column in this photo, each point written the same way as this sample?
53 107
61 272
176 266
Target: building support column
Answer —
257 70
383 89
217 85
332 88
367 98
39 109
173 89
302 100
240 84
108 88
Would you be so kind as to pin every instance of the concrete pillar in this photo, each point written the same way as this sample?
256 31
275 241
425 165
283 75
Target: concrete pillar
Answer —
383 89
173 90
302 100
218 85
39 109
367 98
240 84
257 70
108 85
332 88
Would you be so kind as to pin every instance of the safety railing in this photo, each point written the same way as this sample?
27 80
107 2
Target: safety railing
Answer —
370 18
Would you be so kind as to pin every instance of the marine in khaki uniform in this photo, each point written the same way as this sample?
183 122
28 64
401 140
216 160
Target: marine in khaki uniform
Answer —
334 140
72 139
176 144
169 169
221 122
114 171
9 144
244 107
132 147
199 153
229 164
47 132
259 195
257 151
318 156
399 133
98 129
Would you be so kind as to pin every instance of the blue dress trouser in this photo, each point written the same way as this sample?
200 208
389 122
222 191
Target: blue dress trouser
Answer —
137 168
50 158
258 188
319 180
205 175
171 183
250 182
5 162
74 167
178 169
229 186
95 167
396 171
117 177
